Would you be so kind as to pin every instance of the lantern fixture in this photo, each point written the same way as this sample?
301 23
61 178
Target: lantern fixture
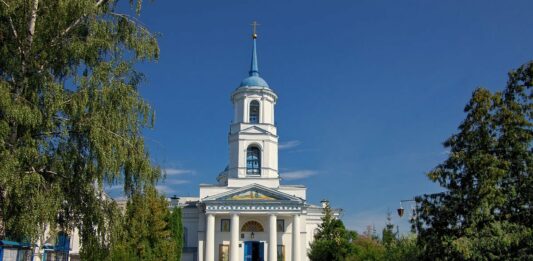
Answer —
400 211
252 235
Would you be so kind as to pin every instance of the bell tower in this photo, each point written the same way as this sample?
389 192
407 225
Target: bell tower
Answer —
253 139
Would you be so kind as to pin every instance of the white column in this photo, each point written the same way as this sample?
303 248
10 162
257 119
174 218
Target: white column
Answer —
201 249
234 251
296 238
210 238
273 239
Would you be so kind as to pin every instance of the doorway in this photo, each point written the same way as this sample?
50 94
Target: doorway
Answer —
254 251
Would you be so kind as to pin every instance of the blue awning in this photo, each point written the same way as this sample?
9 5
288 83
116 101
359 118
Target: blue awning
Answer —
9 243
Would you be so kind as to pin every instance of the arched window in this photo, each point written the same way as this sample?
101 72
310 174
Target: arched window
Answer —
253 161
254 111
252 226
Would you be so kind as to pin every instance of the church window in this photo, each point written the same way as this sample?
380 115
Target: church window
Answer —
223 254
253 161
224 225
252 226
280 225
281 252
254 112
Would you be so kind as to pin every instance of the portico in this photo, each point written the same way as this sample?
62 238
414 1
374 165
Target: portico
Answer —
254 213
267 239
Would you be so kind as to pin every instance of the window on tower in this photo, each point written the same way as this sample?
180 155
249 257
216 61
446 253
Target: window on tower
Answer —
254 112
253 161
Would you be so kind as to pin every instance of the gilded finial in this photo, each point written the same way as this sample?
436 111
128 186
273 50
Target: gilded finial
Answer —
254 28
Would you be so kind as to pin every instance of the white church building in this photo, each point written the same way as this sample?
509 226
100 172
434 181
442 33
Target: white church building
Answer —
248 215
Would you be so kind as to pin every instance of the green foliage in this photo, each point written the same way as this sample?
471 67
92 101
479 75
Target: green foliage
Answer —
388 234
146 231
176 227
332 240
485 213
390 247
404 248
367 248
70 115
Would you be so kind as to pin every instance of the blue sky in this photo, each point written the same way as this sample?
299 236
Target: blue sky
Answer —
368 90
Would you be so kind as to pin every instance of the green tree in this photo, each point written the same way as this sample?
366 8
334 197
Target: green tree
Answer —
71 115
177 231
332 240
367 248
402 249
146 232
388 235
485 212
514 148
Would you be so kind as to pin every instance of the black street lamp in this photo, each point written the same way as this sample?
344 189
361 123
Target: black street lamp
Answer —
414 215
400 210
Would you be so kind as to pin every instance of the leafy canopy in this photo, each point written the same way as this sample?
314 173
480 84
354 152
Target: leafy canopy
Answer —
70 114
486 211
145 232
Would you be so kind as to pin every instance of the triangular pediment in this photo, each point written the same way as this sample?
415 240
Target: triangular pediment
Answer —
253 192
255 130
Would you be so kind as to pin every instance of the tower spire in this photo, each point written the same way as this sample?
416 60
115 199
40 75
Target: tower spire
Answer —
254 68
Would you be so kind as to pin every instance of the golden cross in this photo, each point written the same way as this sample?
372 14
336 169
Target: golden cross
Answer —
254 26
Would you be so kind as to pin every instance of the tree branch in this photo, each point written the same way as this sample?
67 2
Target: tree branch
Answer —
120 137
75 23
31 23
11 22
133 20
14 30
55 40
44 171
15 34
31 32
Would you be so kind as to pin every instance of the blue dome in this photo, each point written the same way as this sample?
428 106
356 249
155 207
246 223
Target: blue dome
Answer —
254 80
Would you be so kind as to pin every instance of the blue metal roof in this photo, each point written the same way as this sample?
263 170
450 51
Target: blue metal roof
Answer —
254 67
254 79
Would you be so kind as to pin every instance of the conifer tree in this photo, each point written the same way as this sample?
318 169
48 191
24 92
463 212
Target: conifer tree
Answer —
332 240
388 234
146 232
71 115
485 212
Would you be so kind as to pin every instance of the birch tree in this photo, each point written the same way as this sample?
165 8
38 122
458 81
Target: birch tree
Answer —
70 114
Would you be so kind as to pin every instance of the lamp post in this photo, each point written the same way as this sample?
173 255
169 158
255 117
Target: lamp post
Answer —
414 214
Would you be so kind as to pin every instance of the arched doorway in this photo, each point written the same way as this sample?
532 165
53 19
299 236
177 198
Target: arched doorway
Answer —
253 250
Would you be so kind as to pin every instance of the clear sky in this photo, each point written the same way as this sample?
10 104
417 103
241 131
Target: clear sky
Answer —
368 90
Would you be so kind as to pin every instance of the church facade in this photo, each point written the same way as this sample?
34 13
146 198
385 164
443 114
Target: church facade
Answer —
248 214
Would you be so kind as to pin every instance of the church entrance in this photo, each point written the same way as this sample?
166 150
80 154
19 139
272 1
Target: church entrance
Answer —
254 251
